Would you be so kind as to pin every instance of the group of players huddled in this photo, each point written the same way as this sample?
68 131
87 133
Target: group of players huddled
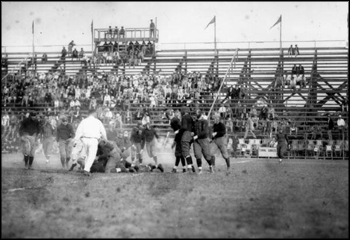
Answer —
190 128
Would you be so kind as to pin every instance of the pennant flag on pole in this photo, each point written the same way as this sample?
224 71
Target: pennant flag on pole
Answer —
33 27
278 21
212 21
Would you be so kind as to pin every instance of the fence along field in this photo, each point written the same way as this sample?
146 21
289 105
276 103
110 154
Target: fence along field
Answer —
260 198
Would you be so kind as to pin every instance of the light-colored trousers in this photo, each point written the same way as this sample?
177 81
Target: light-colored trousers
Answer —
91 149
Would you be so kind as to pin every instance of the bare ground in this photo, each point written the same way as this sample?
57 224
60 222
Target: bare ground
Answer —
260 198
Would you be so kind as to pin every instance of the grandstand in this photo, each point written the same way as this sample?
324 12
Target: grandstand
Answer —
326 75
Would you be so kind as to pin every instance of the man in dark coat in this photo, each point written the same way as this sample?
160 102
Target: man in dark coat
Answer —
282 142
330 127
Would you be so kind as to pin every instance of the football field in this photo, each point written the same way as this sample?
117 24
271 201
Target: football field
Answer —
259 198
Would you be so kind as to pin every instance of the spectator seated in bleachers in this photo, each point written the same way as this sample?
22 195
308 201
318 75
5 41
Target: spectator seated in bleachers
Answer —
81 53
116 32
129 93
75 54
300 76
63 53
44 58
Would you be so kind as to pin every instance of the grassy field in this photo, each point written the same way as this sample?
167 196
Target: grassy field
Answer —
260 198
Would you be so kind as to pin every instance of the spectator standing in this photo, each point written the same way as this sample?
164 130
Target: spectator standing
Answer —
70 47
65 133
122 32
296 50
5 124
330 127
13 126
341 126
235 143
151 29
282 141
109 33
291 51
249 127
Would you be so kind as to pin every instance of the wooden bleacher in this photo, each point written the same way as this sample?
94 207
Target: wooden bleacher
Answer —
331 86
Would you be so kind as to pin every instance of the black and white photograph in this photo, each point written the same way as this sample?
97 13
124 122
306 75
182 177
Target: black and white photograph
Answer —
174 119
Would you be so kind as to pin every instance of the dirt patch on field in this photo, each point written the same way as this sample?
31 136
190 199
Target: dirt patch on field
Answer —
260 198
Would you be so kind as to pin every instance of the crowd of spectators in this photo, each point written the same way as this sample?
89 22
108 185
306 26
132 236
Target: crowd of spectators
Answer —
132 53
132 96
127 99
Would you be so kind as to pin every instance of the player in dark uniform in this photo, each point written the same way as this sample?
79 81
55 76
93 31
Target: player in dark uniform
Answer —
186 138
28 131
175 124
109 159
201 142
123 143
220 140
136 141
149 136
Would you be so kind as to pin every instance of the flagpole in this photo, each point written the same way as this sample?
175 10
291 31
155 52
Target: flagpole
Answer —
215 34
92 43
33 43
281 36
